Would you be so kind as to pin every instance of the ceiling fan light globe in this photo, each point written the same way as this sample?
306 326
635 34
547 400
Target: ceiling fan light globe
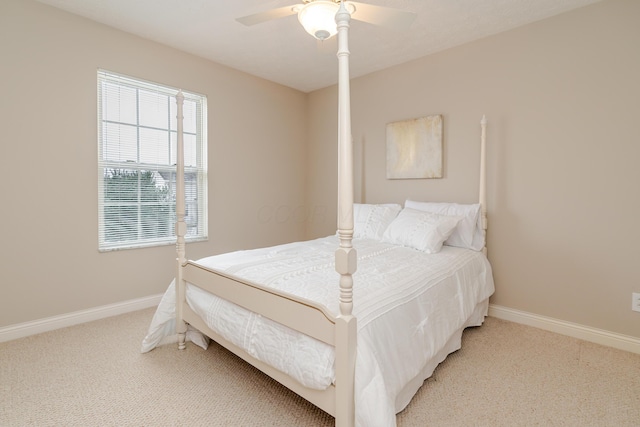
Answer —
319 18
322 34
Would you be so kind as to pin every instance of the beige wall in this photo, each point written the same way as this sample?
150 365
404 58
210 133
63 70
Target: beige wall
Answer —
49 260
562 98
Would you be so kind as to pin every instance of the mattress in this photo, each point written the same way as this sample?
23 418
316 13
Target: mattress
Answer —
410 308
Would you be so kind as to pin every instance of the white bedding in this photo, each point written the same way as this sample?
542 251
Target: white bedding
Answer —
409 306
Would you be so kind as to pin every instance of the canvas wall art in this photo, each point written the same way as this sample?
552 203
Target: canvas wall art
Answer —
414 148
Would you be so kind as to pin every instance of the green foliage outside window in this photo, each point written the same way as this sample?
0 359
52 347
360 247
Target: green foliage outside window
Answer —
136 206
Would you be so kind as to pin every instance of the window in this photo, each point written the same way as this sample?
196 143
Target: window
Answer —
137 163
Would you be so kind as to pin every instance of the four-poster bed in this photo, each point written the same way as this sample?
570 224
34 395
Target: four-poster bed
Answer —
267 293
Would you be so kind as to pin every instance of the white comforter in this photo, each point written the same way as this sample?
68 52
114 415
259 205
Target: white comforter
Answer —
408 305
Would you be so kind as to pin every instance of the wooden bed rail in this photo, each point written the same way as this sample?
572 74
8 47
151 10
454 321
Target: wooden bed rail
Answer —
323 399
294 312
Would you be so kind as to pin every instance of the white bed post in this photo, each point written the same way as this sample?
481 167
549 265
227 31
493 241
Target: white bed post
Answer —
181 226
345 255
483 177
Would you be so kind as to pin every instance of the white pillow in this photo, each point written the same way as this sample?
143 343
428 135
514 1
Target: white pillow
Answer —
370 221
420 230
468 233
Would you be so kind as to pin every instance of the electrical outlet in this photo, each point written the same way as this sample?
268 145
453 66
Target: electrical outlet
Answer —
635 302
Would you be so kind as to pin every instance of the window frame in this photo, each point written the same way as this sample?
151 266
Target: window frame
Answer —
195 170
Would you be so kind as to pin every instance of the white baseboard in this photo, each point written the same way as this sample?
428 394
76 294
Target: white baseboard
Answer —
21 330
598 336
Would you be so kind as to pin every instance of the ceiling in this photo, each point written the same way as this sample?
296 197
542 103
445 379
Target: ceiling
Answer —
281 51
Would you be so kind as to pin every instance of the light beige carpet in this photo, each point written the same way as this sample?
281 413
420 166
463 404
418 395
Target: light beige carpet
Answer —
505 375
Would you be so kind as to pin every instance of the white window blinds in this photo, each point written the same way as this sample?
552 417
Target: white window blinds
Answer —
137 163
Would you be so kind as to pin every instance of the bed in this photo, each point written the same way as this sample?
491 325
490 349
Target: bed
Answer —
353 322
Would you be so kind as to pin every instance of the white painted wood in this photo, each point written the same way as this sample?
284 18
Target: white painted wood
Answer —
586 333
345 371
323 399
181 226
346 257
21 330
294 312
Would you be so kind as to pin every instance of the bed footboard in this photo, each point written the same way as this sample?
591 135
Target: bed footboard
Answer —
296 313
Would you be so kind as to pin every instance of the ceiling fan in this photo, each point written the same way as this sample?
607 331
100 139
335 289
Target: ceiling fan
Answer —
318 16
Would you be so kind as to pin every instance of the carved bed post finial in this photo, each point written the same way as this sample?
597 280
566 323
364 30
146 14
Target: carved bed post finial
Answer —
181 226
346 254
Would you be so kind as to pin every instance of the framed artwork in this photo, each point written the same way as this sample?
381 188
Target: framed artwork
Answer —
414 148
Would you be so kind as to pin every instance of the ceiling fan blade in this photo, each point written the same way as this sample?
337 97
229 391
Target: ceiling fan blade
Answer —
268 15
394 19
